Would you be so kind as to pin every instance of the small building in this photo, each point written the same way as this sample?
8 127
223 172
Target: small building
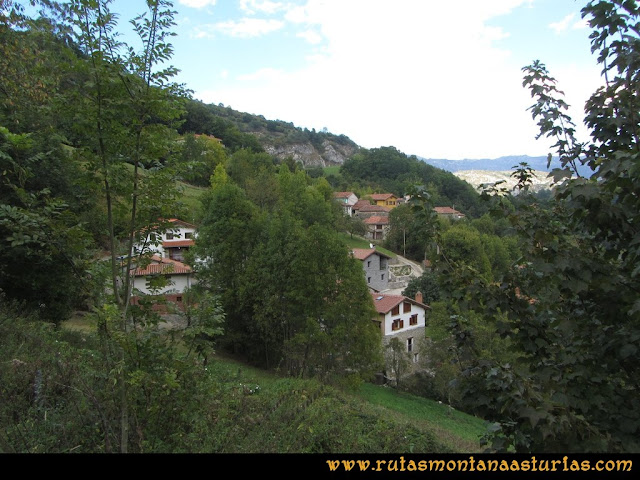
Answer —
176 278
347 200
377 227
449 212
369 210
403 318
171 242
388 200
376 267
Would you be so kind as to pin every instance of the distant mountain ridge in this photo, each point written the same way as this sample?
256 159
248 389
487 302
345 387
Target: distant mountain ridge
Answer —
500 164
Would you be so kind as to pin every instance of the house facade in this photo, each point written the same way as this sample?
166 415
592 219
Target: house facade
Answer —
377 227
376 267
449 212
403 318
162 276
347 200
388 200
171 243
367 210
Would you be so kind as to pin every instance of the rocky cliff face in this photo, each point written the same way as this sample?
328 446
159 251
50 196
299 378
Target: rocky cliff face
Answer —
327 155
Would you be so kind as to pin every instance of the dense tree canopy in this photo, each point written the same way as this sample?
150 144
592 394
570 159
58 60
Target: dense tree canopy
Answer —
571 303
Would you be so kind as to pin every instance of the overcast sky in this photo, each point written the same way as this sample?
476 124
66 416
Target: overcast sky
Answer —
434 78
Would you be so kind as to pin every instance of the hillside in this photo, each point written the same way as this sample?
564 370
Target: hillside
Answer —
278 138
477 178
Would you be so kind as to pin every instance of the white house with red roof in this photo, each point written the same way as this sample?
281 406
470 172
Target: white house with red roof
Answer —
166 243
171 242
347 200
403 318
179 276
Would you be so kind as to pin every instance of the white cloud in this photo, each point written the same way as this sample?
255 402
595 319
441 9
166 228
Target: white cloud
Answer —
262 6
562 25
311 36
248 27
412 74
197 3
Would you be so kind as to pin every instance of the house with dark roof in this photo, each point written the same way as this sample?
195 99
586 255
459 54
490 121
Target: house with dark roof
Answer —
376 267
403 318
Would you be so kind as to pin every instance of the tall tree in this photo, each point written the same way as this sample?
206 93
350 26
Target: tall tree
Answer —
572 306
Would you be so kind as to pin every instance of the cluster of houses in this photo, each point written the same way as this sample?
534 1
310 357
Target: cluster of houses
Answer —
374 211
397 316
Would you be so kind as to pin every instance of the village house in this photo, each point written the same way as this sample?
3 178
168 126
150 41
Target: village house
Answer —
449 212
388 200
175 278
403 318
377 227
347 200
376 267
165 272
171 243
367 210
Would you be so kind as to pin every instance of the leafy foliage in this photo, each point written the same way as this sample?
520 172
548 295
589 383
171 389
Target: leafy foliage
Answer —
571 304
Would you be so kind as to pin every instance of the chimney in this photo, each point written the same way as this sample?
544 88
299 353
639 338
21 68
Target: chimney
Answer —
419 297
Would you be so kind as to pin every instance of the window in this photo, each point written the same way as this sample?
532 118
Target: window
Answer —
396 310
409 344
406 307
179 299
368 279
397 324
368 263
169 235
382 277
415 358
414 319
188 235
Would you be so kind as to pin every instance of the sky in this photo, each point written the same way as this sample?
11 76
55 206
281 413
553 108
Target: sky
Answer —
432 78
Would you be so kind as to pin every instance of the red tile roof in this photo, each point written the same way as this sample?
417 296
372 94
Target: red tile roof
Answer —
343 194
377 220
361 203
362 253
373 208
385 303
382 196
178 243
161 265
177 221
447 211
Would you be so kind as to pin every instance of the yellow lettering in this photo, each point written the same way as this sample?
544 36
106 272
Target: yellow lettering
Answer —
333 464
348 464
364 464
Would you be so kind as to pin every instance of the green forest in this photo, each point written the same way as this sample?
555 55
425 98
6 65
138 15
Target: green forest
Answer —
534 320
